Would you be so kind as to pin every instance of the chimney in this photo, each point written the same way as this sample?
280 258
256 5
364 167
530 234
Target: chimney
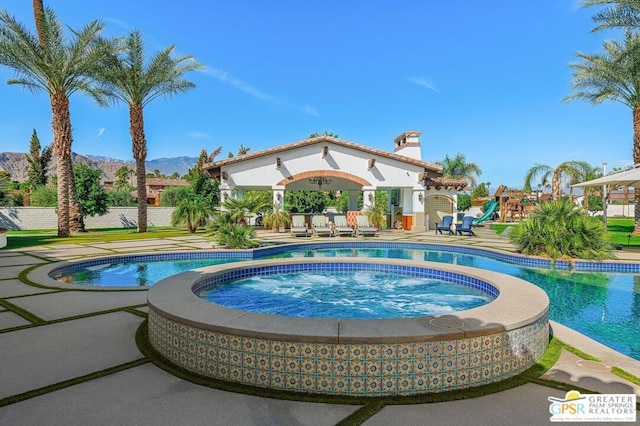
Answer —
408 144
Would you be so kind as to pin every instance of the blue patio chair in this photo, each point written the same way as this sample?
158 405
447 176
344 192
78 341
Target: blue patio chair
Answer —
465 226
446 225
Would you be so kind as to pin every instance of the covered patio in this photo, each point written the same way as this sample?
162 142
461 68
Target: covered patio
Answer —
419 194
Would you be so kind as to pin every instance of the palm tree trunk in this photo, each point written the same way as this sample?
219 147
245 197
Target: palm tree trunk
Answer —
636 160
76 220
38 16
75 216
555 185
139 147
61 124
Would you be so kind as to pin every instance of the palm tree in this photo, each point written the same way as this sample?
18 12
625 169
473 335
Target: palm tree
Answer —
589 191
193 212
276 217
61 67
129 79
76 219
573 171
239 208
458 168
561 230
614 75
205 158
620 13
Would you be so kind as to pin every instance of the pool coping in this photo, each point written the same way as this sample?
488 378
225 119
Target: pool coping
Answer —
518 304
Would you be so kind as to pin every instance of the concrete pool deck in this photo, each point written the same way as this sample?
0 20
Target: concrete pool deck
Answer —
86 341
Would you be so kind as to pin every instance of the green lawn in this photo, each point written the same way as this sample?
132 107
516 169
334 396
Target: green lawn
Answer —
619 228
21 239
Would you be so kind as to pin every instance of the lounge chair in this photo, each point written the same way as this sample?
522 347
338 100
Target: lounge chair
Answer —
341 227
465 226
364 228
446 225
298 226
320 226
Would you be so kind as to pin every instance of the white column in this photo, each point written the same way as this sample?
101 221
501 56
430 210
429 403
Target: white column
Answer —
417 209
278 194
368 196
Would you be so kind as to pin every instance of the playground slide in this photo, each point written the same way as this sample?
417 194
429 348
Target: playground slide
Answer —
491 208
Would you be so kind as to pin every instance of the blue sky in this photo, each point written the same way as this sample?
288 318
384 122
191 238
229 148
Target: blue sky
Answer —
485 79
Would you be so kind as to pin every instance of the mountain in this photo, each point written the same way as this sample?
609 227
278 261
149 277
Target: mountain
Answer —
17 165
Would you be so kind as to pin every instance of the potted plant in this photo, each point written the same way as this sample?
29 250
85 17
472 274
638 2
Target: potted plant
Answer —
377 216
277 218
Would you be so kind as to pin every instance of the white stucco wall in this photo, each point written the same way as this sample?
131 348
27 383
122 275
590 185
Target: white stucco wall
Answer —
17 218
386 173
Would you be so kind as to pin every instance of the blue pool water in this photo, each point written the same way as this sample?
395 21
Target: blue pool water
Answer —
603 306
136 273
355 295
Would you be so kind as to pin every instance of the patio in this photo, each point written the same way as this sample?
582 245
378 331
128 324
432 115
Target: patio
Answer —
70 357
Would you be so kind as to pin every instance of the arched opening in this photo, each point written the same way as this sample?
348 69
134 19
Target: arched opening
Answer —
437 206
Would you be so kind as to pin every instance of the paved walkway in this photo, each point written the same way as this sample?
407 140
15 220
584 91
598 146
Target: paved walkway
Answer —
84 341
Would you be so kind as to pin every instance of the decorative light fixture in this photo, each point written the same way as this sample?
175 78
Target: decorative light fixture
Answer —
372 163
226 196
420 197
325 151
225 175
319 180
279 197
370 197
278 162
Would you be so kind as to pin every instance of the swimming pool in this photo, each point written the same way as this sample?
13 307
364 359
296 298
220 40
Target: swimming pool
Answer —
603 305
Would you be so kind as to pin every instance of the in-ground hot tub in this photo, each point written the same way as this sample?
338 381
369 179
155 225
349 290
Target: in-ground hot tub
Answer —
335 356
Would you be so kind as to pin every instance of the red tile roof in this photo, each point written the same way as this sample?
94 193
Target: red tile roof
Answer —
324 139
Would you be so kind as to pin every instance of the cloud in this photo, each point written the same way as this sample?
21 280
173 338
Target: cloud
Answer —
198 135
308 109
424 83
119 23
101 131
227 78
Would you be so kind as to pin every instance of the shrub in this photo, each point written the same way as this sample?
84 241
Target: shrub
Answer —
121 198
226 231
44 196
562 230
173 195
464 202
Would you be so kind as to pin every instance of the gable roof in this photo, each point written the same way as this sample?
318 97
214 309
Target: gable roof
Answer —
166 182
324 139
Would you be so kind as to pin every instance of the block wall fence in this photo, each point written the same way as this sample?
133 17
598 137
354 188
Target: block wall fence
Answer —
25 218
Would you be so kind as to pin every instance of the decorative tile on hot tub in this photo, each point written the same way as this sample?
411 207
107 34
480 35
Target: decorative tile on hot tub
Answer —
284 379
487 343
423 382
261 378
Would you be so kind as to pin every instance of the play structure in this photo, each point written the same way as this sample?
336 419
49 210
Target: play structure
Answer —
512 204
489 212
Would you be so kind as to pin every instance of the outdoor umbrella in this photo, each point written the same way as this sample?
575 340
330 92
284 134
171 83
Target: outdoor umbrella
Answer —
625 178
